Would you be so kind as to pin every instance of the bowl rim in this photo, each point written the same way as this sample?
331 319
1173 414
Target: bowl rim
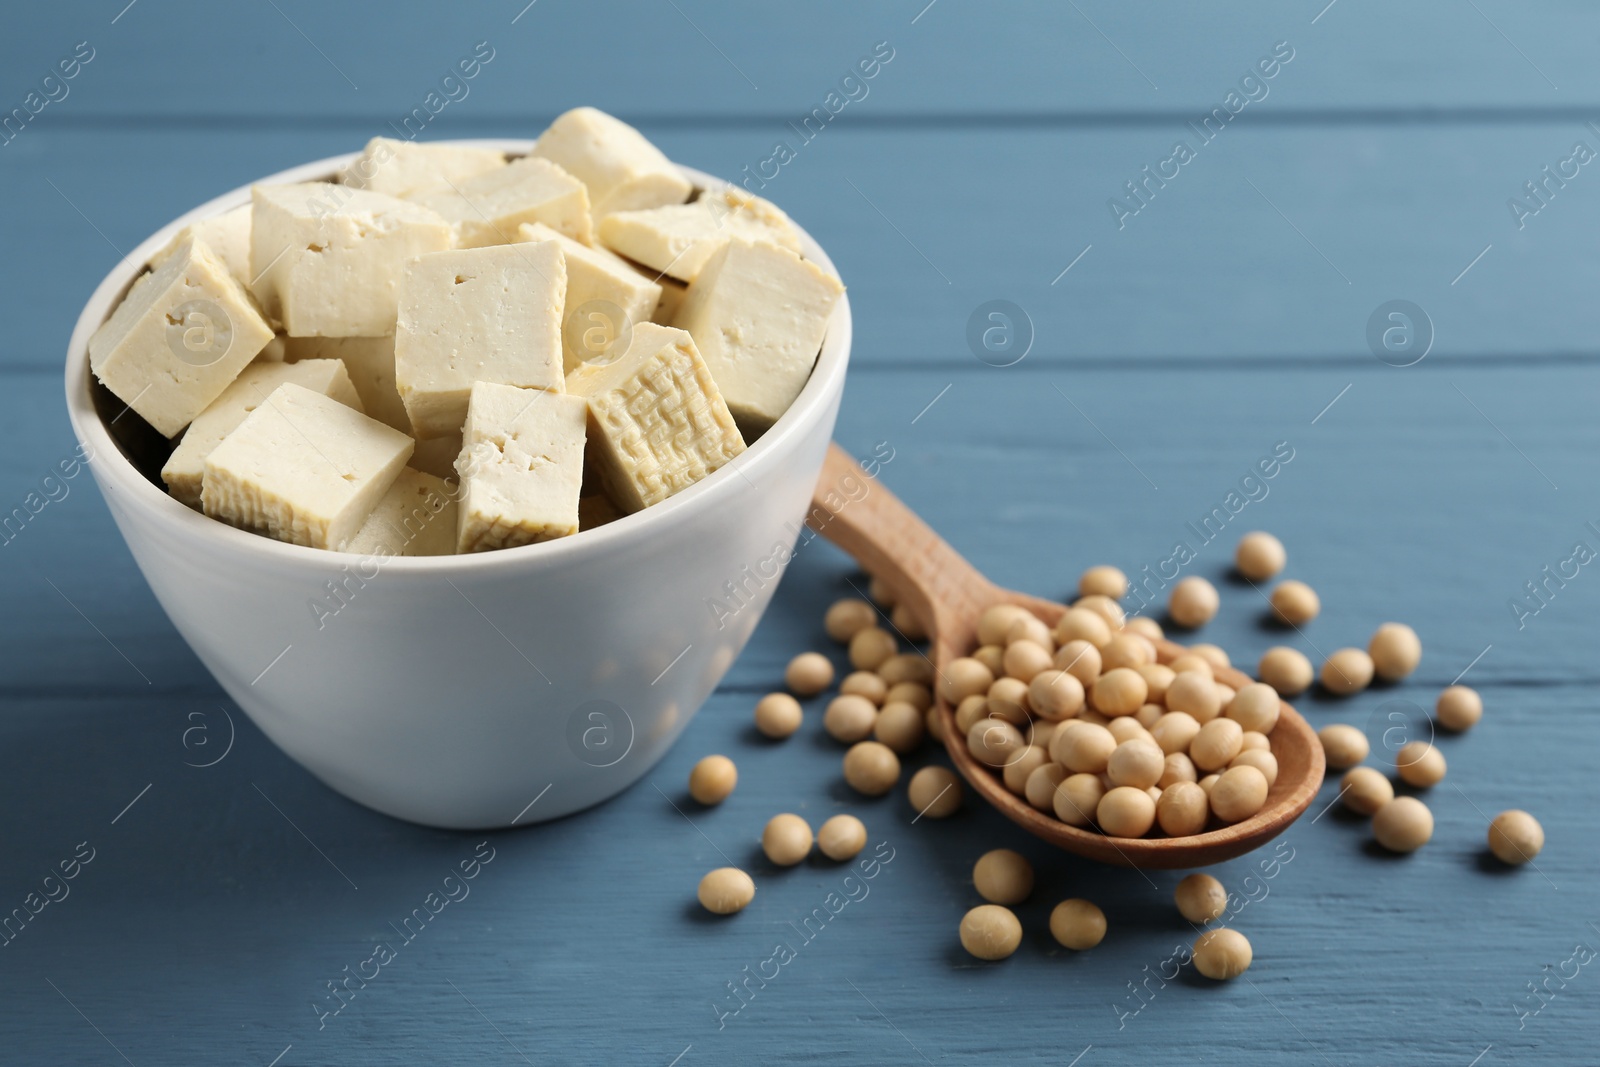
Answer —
178 520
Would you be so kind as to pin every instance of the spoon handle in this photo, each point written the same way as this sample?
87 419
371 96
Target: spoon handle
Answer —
855 511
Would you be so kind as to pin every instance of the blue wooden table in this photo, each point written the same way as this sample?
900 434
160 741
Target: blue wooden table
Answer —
1182 314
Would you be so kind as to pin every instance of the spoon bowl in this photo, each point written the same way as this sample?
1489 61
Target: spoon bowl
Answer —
946 594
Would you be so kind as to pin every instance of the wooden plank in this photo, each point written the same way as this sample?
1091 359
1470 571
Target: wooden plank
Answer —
1277 244
1023 483
279 63
583 934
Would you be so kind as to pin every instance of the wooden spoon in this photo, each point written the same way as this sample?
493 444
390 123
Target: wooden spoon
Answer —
947 594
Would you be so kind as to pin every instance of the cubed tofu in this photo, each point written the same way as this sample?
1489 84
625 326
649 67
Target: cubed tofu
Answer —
671 299
477 315
521 467
416 517
303 468
370 361
606 294
487 210
400 168
185 468
677 241
622 170
757 312
658 422
327 258
183 332
227 235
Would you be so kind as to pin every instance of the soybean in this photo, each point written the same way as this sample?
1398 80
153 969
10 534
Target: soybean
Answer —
1395 651
871 768
935 792
990 932
1515 837
1295 603
808 674
1222 954
1200 898
1259 556
726 890
1077 924
841 837
1193 602
1003 877
1286 670
1403 825
713 779
1459 708
847 617
777 715
786 839
1103 581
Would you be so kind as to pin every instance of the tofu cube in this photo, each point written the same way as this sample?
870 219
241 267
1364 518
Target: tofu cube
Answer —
477 315
370 363
416 517
658 422
185 468
521 467
622 170
677 241
487 210
400 168
227 235
303 468
603 291
183 332
757 312
327 259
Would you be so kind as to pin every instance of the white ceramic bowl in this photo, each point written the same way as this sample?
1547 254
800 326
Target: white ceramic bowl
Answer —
485 690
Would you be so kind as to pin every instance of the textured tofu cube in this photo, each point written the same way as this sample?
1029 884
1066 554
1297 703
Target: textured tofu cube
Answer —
303 468
487 210
658 422
757 313
477 315
416 517
677 241
227 235
622 170
606 294
400 168
370 362
327 259
183 332
185 468
521 467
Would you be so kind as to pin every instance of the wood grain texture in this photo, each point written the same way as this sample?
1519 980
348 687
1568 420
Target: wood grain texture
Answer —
1177 352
